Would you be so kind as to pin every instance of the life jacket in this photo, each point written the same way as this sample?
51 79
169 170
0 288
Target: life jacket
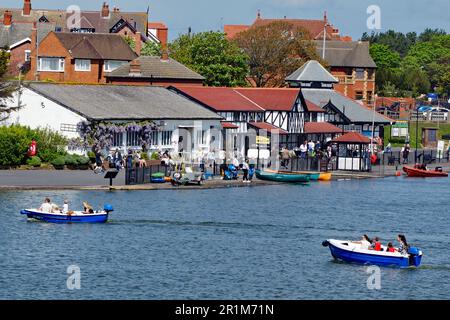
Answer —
390 250
377 246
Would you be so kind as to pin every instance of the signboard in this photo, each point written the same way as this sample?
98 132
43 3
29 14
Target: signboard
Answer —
400 129
440 149
262 140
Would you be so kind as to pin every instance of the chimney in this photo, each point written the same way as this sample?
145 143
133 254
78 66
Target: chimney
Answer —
26 7
135 67
258 15
163 36
7 19
138 42
105 10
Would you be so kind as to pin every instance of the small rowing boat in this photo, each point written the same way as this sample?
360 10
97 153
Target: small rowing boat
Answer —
313 176
353 252
421 171
281 177
71 217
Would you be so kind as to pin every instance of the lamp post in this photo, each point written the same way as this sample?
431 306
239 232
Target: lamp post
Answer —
417 134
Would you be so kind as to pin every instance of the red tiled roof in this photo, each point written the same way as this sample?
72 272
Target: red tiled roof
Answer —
156 25
229 125
321 127
220 99
268 127
312 107
232 30
272 99
388 101
353 137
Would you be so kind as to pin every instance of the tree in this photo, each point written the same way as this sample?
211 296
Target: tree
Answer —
275 51
384 57
396 41
210 54
149 48
6 88
429 33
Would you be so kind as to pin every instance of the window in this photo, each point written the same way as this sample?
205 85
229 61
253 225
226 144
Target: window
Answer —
154 138
111 65
166 138
359 95
51 64
68 127
133 139
359 74
201 137
82 65
117 140
27 55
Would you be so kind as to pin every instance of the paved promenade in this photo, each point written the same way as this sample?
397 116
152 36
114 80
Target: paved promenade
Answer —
87 180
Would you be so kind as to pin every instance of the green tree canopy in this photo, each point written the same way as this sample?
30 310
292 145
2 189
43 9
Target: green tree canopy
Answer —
276 50
384 57
210 54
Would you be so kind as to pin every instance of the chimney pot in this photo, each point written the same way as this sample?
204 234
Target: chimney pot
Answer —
105 10
7 19
26 7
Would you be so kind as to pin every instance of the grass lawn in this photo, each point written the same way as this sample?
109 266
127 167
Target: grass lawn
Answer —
444 128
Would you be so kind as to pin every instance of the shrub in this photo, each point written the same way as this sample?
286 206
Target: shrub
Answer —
59 162
50 144
34 161
70 160
144 156
155 156
83 160
91 156
14 143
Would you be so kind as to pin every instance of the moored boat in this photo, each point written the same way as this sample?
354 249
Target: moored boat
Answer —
421 171
71 217
281 177
325 176
352 252
313 176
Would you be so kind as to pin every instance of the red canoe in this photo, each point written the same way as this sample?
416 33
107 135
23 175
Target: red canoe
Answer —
418 171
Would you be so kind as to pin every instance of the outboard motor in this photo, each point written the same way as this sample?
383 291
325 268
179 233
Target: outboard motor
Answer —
415 256
108 208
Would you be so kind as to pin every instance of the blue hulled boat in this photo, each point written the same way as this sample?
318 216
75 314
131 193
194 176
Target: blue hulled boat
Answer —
353 252
74 217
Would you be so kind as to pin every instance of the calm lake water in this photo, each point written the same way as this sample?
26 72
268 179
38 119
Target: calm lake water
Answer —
235 243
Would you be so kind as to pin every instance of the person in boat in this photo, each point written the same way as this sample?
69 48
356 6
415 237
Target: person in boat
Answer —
46 206
87 208
376 244
403 247
65 208
365 242
390 247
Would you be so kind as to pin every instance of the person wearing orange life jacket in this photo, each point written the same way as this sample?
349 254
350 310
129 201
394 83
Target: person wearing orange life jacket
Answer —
390 247
376 244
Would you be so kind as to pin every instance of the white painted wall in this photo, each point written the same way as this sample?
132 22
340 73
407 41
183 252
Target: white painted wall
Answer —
39 111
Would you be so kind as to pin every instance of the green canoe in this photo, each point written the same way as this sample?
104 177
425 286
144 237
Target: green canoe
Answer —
313 176
281 177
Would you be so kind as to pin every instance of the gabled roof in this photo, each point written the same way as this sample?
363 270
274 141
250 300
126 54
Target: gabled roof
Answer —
104 102
232 30
154 67
321 127
96 46
353 137
271 99
354 54
228 125
17 32
94 18
219 98
312 71
352 110
312 107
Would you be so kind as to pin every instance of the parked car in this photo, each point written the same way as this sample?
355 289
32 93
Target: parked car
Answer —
424 108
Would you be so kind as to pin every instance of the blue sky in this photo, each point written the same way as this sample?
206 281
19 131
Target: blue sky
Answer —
348 15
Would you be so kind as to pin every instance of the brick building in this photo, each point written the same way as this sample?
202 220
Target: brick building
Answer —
78 57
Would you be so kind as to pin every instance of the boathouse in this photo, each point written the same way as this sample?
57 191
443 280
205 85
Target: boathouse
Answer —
182 125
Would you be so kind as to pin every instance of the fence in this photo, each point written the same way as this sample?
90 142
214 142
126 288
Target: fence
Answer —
422 156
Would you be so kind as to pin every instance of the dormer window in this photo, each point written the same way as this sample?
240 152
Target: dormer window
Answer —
43 19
